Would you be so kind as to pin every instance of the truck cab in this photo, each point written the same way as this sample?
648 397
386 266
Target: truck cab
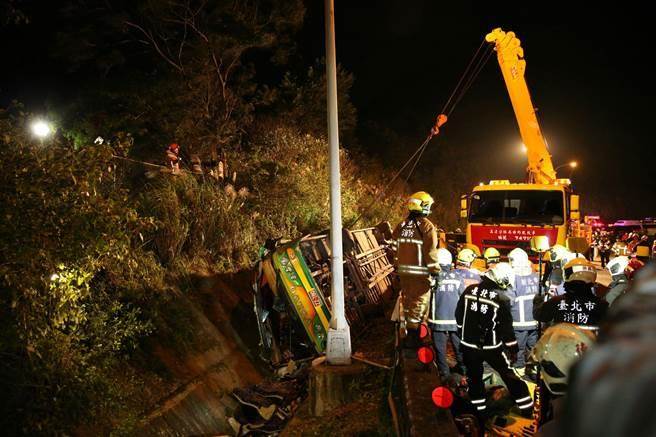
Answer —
506 215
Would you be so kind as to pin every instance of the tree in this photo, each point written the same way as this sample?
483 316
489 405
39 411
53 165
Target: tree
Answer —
72 274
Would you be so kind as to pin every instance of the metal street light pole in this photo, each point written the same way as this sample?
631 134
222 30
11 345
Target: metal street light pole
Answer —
338 348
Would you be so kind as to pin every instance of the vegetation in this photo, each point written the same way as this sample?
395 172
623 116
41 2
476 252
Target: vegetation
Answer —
90 247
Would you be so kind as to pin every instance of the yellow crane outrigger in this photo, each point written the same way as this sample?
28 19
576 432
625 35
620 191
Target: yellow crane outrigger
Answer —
506 215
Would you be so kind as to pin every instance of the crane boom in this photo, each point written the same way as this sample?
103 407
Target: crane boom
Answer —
511 60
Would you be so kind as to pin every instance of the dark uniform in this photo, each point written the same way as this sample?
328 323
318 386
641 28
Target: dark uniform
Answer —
579 305
604 251
416 259
483 316
441 317
525 326
617 287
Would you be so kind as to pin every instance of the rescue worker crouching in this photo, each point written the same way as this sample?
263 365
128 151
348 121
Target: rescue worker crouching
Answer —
485 323
522 295
559 348
579 305
416 262
444 301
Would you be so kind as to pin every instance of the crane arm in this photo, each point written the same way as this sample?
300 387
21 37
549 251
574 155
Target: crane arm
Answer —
511 60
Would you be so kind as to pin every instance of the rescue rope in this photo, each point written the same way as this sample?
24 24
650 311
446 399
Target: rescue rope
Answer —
151 164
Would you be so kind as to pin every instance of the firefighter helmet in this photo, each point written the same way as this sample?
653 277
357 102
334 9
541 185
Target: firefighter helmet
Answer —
556 253
444 257
557 350
420 202
618 265
466 256
569 256
620 248
518 258
492 255
580 269
503 275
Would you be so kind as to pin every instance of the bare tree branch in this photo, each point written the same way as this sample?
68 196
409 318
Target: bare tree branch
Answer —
156 46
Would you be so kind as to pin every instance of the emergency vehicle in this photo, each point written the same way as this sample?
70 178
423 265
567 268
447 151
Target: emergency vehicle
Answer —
506 215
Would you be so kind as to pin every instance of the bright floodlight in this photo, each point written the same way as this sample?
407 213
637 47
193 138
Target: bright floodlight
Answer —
41 129
524 149
573 164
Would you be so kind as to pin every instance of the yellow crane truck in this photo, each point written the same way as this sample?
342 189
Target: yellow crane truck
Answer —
506 215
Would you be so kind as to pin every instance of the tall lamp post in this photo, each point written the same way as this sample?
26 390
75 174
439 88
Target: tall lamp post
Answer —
338 347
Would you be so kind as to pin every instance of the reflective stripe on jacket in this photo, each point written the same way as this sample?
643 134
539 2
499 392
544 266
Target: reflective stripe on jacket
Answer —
444 300
416 246
483 317
526 287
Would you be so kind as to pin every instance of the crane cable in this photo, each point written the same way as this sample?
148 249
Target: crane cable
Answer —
470 75
481 61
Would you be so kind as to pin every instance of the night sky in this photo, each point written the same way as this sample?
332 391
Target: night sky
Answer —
588 72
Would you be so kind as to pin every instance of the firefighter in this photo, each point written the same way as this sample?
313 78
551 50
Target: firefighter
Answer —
526 287
611 391
620 248
444 301
553 273
620 281
492 257
579 305
464 267
559 348
604 247
173 157
485 323
416 262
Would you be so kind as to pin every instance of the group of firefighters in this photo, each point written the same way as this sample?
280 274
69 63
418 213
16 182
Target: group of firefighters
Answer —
215 169
495 315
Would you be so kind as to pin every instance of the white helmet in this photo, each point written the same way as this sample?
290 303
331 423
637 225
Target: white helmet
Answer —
503 275
444 257
569 256
556 253
618 265
557 350
518 258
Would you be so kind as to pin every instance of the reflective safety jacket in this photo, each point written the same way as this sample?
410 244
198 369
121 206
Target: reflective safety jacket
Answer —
526 287
483 317
469 275
579 305
416 242
444 300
